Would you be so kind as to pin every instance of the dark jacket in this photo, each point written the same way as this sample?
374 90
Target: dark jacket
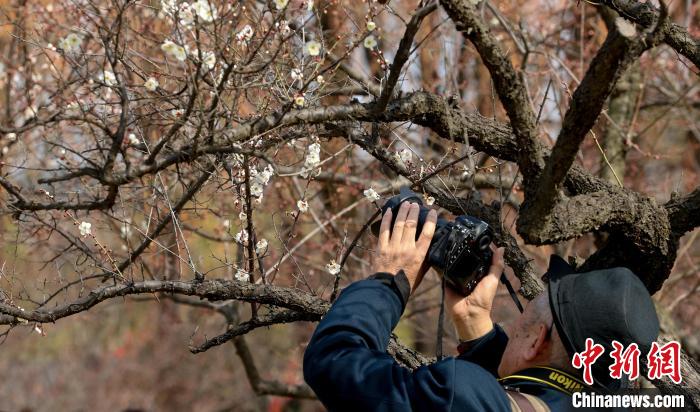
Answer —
349 369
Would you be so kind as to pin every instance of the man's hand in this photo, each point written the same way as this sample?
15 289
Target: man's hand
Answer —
399 249
472 314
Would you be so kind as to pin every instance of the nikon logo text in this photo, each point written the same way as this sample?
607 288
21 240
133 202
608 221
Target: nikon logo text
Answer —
565 381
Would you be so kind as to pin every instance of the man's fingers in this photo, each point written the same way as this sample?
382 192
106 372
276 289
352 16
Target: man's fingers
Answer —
497 263
428 231
385 230
409 230
397 232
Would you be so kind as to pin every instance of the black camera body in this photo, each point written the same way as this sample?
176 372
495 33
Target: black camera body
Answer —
460 249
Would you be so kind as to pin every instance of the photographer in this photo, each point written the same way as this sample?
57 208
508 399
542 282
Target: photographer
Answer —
347 365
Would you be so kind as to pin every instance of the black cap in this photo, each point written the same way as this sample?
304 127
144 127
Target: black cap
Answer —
604 305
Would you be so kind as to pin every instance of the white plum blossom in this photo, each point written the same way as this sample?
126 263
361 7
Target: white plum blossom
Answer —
125 230
175 50
405 155
299 101
11 136
429 200
281 4
177 112
71 43
313 158
296 74
320 79
370 42
84 228
108 78
243 216
133 140
169 6
241 275
204 10
256 189
371 194
209 59
371 25
261 246
333 268
259 180
309 5
313 48
245 34
283 27
303 206
151 84
186 15
242 237
226 223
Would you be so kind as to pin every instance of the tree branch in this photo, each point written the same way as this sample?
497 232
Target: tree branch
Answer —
403 52
646 15
536 219
508 84
684 212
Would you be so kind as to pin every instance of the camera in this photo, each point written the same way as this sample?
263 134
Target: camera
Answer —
460 249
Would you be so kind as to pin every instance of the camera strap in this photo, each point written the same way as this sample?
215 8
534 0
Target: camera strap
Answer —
547 376
511 291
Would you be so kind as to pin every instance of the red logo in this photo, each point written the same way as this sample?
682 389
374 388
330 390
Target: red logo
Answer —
587 358
662 360
625 361
665 361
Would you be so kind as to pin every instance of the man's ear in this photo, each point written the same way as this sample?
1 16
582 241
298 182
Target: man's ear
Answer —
537 342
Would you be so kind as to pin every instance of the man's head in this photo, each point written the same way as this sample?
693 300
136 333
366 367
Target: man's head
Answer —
605 305
533 340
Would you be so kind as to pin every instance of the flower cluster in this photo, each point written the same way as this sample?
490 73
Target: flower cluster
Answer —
283 27
241 275
303 206
71 43
261 246
245 34
333 268
281 4
108 78
371 194
133 140
84 228
204 10
313 158
242 237
175 50
151 84
168 6
209 59
187 12
259 180
296 74
370 42
313 48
